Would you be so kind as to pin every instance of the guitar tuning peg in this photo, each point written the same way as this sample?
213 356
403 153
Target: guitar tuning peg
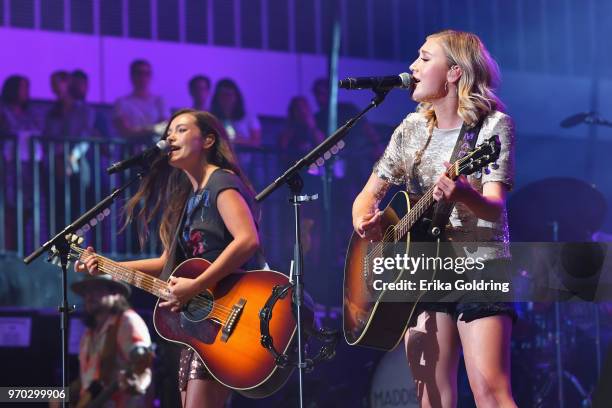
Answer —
478 174
487 170
80 240
106 212
495 166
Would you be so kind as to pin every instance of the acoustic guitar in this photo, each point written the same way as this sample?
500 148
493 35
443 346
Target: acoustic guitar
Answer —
369 317
221 324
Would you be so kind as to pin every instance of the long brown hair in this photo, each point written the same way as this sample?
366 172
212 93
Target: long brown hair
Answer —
166 187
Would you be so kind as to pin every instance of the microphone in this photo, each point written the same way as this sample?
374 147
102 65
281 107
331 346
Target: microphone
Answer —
403 80
160 147
571 121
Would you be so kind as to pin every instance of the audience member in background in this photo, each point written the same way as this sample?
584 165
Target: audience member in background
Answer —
199 89
69 117
79 87
140 115
18 123
67 121
91 124
57 121
299 137
17 120
243 129
301 133
228 105
364 139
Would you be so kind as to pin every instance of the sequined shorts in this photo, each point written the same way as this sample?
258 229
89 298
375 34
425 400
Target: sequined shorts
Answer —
191 368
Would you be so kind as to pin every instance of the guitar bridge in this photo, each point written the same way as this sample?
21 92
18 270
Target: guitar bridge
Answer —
232 319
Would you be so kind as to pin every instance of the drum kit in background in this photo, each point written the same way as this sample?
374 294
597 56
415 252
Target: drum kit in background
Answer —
557 346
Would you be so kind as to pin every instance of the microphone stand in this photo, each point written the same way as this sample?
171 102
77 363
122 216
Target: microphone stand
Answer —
293 179
62 249
596 120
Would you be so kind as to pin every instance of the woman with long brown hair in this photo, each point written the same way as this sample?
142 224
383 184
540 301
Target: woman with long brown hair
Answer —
207 213
455 78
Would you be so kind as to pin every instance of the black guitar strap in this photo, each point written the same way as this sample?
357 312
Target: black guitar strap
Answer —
466 141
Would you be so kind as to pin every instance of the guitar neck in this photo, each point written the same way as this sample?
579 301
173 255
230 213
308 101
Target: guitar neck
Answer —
406 223
130 276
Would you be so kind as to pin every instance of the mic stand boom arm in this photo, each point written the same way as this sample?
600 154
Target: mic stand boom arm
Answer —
63 248
295 183
322 148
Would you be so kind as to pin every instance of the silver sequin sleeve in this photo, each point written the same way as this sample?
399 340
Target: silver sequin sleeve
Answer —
502 126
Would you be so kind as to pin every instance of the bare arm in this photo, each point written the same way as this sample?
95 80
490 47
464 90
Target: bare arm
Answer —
490 204
366 215
487 206
237 217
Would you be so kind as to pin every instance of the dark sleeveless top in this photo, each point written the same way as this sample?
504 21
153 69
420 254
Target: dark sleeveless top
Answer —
201 232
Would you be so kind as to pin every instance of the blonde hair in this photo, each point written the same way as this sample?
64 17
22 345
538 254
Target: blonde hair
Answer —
479 78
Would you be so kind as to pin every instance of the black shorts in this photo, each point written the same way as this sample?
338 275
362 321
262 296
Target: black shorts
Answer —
474 306
469 311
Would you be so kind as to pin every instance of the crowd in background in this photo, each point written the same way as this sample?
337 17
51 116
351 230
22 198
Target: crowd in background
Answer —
59 135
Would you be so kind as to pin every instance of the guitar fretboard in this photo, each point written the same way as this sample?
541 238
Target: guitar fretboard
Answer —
130 276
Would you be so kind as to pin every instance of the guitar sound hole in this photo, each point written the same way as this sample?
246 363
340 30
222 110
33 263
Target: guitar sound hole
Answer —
199 307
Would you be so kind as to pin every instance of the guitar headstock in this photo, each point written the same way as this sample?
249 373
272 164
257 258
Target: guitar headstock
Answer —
480 157
74 241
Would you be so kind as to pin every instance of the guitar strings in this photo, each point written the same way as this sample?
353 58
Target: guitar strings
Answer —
152 284
215 312
148 282
407 222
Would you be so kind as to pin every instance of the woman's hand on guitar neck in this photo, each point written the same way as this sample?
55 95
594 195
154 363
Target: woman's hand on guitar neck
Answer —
452 190
488 205
368 226
88 263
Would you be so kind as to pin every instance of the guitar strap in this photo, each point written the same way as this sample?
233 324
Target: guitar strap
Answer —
171 263
466 141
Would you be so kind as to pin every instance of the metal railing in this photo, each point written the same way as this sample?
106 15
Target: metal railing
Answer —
56 180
